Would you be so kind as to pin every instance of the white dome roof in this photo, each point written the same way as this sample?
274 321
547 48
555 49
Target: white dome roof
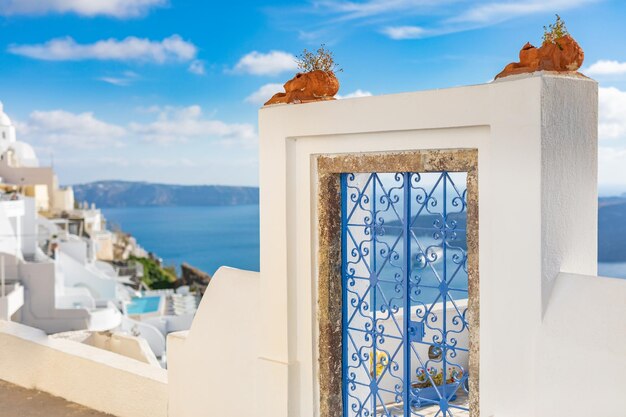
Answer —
25 154
4 119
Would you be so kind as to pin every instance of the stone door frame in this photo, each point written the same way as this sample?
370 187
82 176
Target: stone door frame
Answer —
329 314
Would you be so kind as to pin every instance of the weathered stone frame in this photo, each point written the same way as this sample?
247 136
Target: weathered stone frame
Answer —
329 313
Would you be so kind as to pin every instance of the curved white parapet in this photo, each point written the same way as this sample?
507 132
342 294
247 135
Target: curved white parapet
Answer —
106 318
106 268
117 342
151 333
96 378
68 297
101 286
212 367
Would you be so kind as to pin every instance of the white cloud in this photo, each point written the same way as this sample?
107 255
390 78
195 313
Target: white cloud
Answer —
173 48
120 82
264 93
125 162
404 32
416 19
171 124
351 10
612 113
124 80
88 8
60 127
168 163
181 124
355 94
197 67
271 63
611 170
495 12
606 67
612 133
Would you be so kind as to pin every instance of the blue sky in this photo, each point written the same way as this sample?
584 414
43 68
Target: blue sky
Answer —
168 90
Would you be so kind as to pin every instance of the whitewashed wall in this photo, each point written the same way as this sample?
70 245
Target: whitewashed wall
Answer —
530 131
581 349
93 377
537 141
212 367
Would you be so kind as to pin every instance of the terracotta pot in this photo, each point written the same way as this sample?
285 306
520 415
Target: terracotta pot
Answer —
564 55
306 87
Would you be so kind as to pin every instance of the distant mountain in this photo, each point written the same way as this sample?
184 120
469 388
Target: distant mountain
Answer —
143 194
612 229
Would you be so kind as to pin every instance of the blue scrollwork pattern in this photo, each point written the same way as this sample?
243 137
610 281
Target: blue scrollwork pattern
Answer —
404 278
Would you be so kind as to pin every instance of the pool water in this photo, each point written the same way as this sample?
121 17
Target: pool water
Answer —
142 305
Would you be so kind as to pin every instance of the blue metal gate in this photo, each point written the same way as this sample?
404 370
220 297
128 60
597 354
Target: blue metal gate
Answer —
405 287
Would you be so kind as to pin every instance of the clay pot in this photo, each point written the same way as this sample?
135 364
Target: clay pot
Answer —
563 56
306 87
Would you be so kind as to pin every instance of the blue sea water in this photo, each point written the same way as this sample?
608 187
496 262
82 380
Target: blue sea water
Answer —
204 237
210 237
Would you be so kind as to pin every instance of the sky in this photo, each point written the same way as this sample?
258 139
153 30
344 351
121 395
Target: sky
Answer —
168 90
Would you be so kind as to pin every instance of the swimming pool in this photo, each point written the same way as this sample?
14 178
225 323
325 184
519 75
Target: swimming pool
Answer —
143 305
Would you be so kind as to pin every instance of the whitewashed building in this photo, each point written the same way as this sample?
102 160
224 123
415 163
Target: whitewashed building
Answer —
543 328
60 289
538 332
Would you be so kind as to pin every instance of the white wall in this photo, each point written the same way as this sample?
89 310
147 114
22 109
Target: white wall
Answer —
123 344
27 176
569 166
51 307
536 138
63 199
77 274
39 308
93 377
76 248
30 228
12 301
212 368
9 242
530 132
149 332
581 349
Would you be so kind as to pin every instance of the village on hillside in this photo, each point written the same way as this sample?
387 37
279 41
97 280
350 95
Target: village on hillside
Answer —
64 272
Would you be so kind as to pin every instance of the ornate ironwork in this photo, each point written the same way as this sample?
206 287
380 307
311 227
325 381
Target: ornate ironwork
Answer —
404 249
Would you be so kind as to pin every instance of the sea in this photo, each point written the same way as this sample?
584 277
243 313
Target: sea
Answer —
204 237
210 237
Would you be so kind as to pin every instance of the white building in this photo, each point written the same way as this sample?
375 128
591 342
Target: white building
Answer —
19 166
55 276
546 333
53 300
20 154
64 288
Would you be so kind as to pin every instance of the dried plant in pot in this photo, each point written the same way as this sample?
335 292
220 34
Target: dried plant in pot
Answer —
559 52
316 82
